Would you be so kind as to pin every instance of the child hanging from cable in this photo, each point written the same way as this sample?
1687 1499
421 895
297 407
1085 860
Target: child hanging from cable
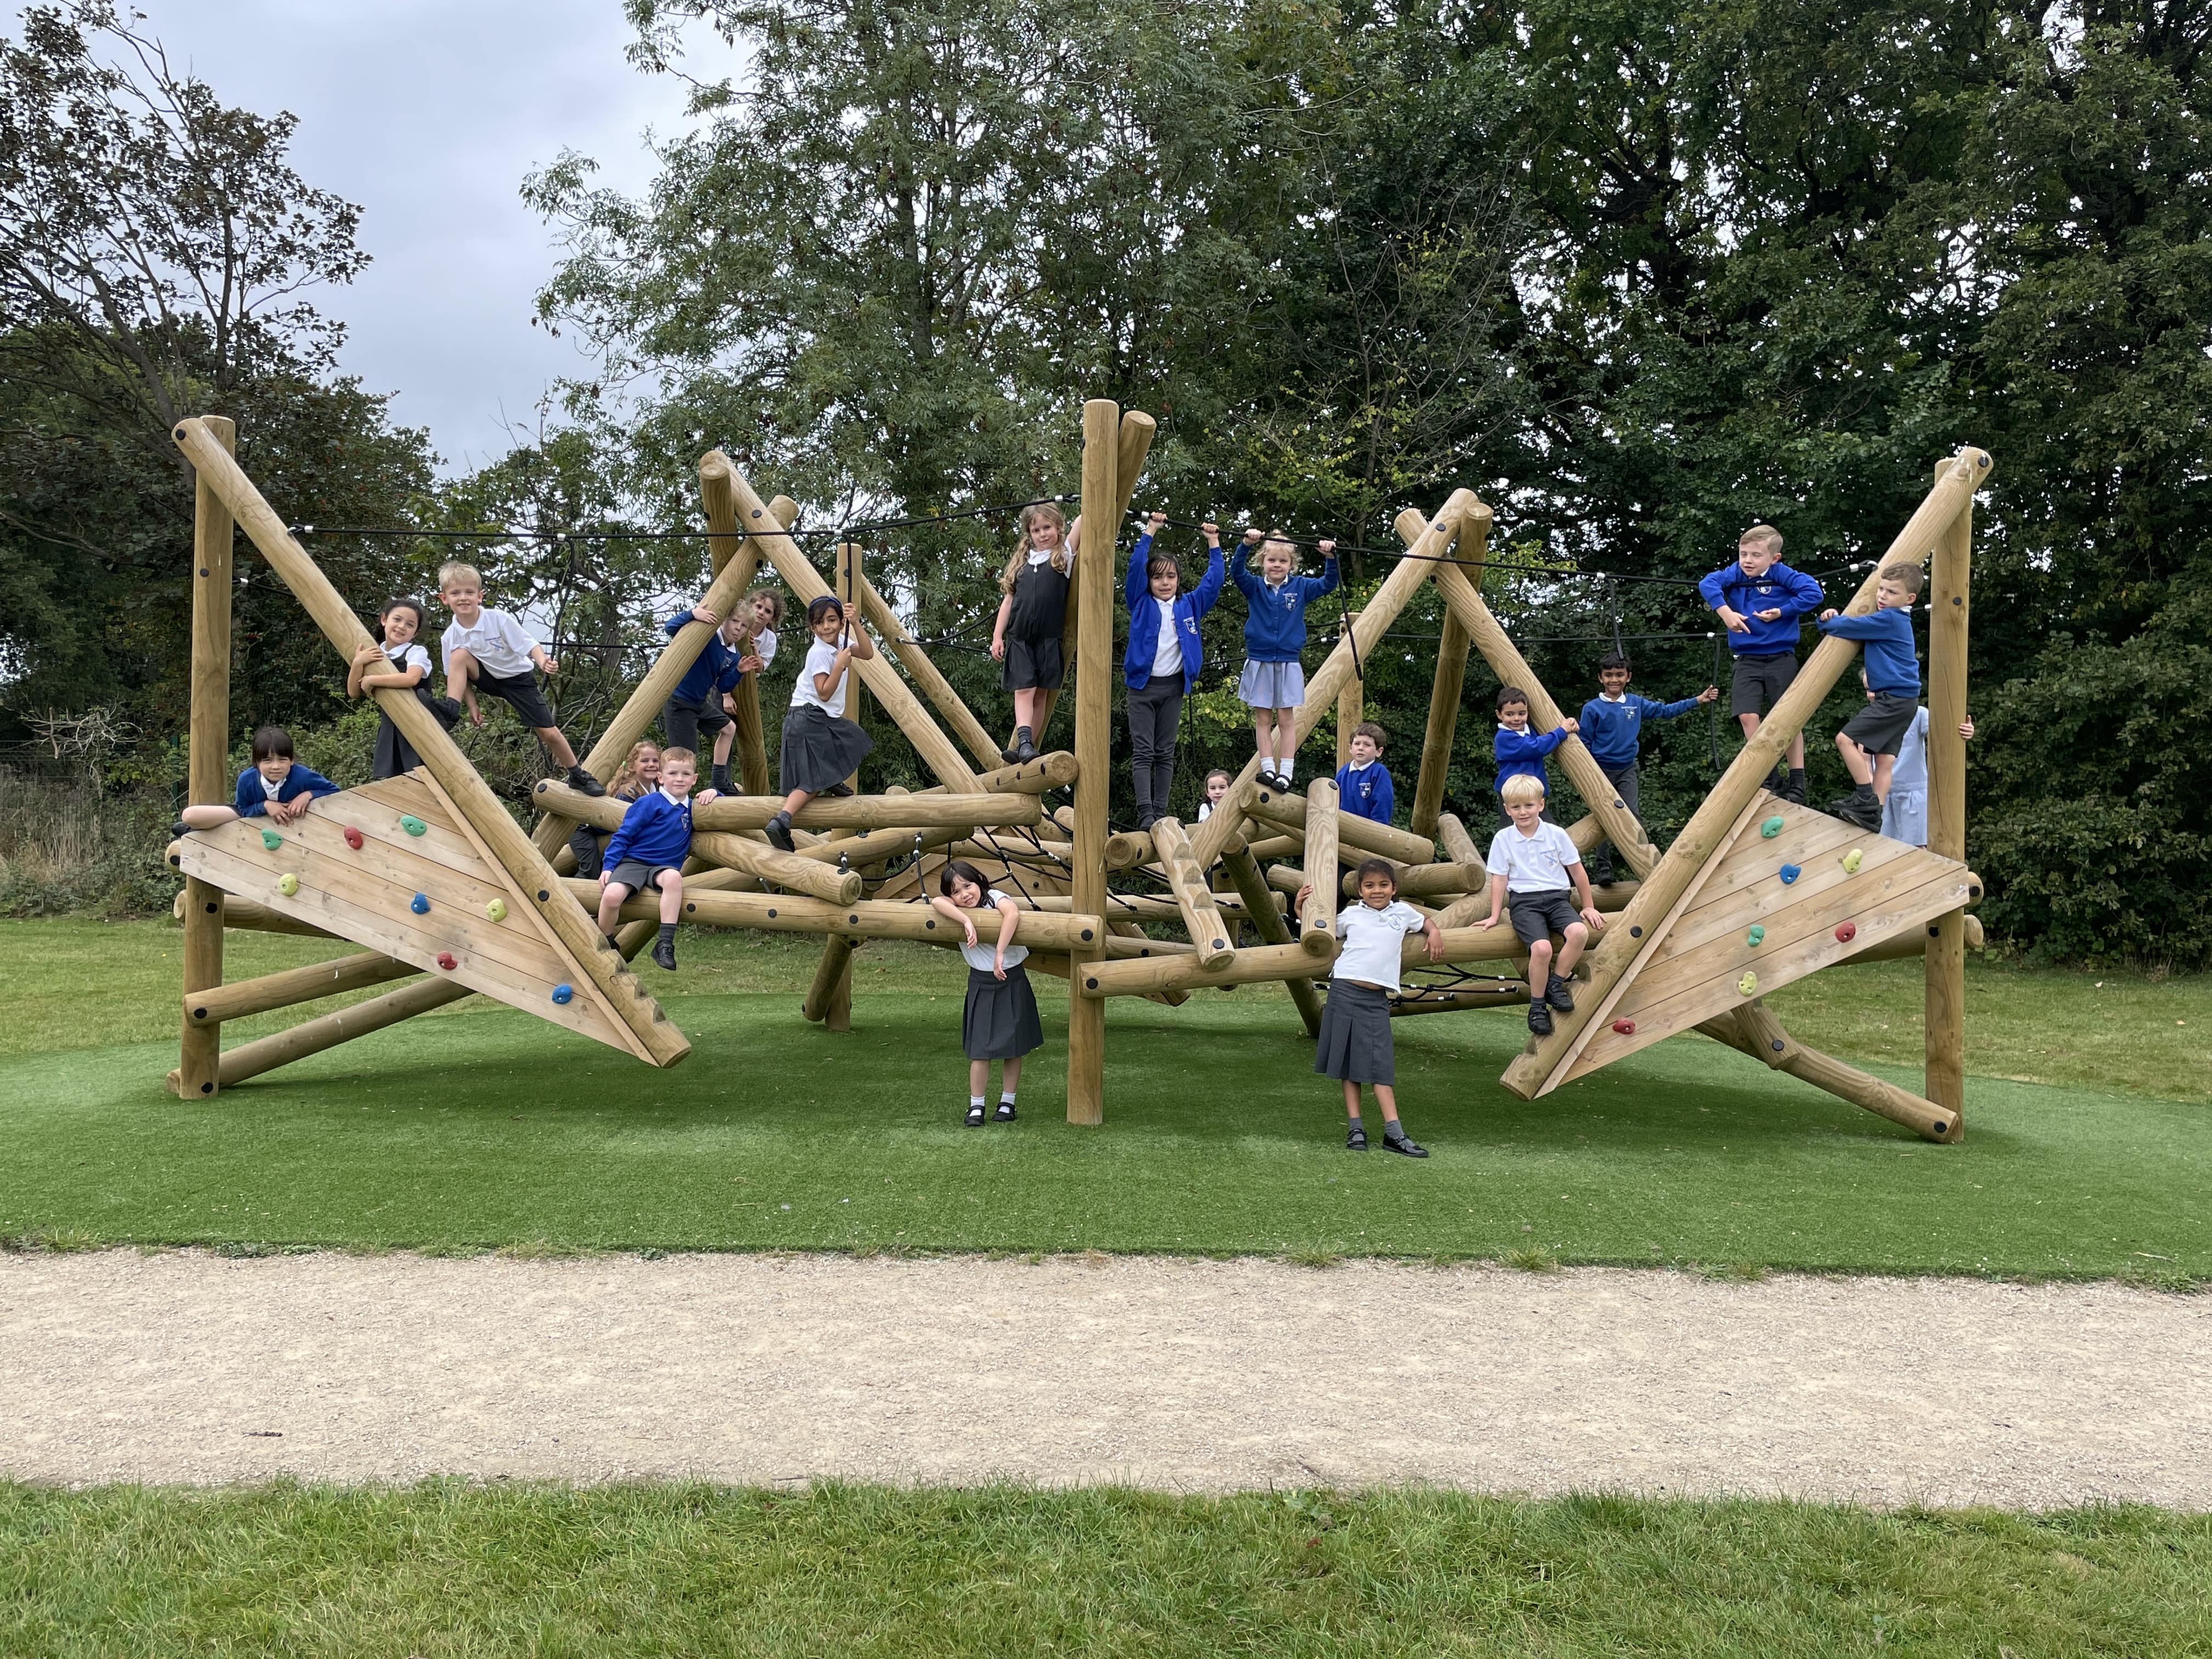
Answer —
821 747
1026 635
1274 683
1354 1046
275 787
1161 665
999 1021
400 662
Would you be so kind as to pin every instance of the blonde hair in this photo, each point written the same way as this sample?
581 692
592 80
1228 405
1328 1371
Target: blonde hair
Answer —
626 775
1904 574
1522 787
679 757
1031 515
1766 535
453 568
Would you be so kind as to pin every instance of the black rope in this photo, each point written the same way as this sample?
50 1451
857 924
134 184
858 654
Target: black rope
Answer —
1713 709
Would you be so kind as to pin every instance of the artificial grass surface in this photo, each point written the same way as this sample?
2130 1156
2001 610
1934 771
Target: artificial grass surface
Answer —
487 1129
448 1570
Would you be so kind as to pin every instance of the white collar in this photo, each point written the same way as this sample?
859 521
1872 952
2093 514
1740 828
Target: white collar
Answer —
1360 766
1041 556
673 800
1517 731
1608 696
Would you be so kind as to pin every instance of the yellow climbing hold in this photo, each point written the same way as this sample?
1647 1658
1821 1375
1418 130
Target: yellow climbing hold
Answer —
1748 984
1852 859
496 910
287 883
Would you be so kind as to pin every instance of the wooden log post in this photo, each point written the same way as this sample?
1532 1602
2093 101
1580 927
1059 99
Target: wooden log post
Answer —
1318 916
1351 709
1471 547
829 999
1638 929
1092 593
206 784
726 543
1948 607
1266 918
210 1008
1209 934
1133 443
849 578
569 928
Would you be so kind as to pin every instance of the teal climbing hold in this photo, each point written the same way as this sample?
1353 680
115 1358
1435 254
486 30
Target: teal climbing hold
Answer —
413 826
1756 936
271 839
1771 827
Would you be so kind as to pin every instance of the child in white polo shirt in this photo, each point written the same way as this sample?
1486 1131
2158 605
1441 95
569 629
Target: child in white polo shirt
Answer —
1536 862
486 651
1354 1045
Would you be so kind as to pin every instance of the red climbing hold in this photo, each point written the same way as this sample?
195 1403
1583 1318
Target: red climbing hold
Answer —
1846 932
446 961
1625 1027
352 837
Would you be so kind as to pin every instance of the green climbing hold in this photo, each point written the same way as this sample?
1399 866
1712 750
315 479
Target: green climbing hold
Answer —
1756 936
1852 859
271 839
496 910
1771 827
413 826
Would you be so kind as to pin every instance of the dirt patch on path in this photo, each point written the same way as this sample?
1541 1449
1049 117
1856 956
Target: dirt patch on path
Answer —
1185 1375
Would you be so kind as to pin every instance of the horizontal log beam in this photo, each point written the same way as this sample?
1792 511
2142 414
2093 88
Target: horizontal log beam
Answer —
791 870
909 813
775 913
237 1000
252 916
1382 840
342 1025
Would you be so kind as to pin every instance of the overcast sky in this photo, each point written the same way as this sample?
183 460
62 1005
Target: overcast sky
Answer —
428 113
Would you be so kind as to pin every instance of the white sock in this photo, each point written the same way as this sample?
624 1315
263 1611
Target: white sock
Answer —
1006 1097
1283 768
975 1102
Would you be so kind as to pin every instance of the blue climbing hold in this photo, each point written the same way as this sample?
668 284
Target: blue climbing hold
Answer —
1790 873
420 904
563 992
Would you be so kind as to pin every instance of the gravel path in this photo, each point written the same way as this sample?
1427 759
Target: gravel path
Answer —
1188 1374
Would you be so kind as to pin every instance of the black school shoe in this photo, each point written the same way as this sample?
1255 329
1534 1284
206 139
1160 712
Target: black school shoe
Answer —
1792 790
1005 1113
973 1120
1539 1019
1395 1140
585 784
179 830
778 831
1866 814
663 954
1355 1138
1560 993
839 790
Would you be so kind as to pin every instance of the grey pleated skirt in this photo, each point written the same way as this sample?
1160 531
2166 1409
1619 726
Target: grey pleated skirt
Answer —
1354 1045
819 749
1000 1021
1271 684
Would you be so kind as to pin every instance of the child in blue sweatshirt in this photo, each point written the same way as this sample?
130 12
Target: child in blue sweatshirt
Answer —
1161 665
1363 783
649 849
744 642
1520 751
1759 600
1612 728
1870 738
1273 683
275 787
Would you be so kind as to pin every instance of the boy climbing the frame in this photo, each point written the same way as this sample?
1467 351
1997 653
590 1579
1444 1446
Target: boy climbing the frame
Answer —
1536 863
1759 600
488 651
1612 729
1870 738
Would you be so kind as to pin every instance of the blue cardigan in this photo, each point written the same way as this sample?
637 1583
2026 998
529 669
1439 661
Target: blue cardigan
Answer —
1145 619
1615 730
1275 624
1365 791
252 798
654 830
714 669
1793 592
1522 753
1891 666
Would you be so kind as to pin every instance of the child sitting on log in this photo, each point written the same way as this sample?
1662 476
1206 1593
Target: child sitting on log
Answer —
1363 783
1032 616
998 1020
639 775
1354 1045
1273 684
1520 751
488 651
1869 740
1759 600
821 748
398 663
1161 665
275 787
649 849
1613 726
1536 863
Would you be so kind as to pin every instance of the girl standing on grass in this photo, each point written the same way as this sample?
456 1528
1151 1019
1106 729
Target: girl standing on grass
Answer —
1025 637
398 663
1354 1046
1274 683
998 1020
821 747
638 776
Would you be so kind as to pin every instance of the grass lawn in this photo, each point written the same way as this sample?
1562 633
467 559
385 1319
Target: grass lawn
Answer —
449 1569
485 1128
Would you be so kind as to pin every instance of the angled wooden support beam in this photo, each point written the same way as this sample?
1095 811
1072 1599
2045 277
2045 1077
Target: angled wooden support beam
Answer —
210 1008
1472 548
913 657
789 871
1261 909
828 1001
213 534
1381 840
1752 1030
1351 709
1714 825
574 933
314 1035
1202 917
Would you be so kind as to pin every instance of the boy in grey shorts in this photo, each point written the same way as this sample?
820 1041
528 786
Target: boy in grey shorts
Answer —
1536 862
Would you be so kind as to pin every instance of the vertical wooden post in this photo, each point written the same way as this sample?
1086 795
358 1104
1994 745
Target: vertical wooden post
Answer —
1949 570
1351 709
1093 713
1131 446
206 779
1471 548
848 594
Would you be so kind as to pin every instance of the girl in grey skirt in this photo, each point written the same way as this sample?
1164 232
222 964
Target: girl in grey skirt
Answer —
821 747
1000 1019
1354 1045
